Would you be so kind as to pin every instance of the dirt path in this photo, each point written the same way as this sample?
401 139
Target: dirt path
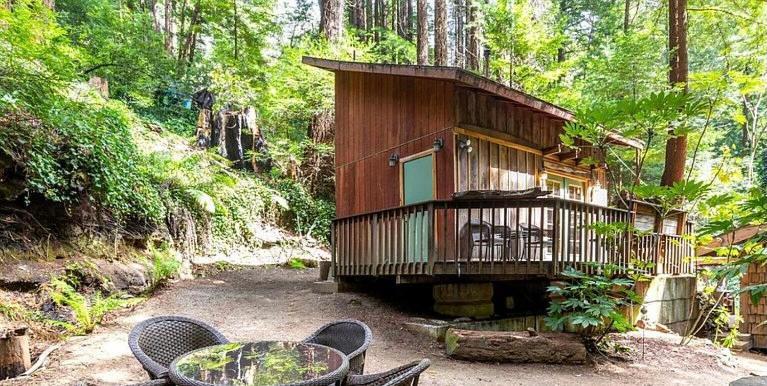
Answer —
277 304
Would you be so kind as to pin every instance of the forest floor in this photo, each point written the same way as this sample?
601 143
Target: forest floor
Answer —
269 303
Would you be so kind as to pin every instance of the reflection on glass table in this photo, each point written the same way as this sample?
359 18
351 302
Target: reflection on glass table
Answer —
260 364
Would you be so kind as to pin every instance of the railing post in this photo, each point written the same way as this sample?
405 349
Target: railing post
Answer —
555 237
432 245
333 250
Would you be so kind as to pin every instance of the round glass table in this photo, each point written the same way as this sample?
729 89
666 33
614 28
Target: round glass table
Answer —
260 363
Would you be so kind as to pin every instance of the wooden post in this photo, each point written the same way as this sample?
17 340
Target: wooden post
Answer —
14 352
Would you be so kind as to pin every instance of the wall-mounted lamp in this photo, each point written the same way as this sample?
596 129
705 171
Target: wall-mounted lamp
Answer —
439 143
542 177
465 144
393 159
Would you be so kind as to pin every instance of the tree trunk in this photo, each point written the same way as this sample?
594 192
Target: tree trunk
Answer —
472 36
626 11
676 147
236 38
368 14
181 31
170 6
357 14
440 33
331 19
515 347
155 16
458 13
14 353
402 24
422 41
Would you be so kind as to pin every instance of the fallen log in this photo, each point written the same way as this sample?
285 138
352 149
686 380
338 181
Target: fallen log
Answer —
14 352
515 347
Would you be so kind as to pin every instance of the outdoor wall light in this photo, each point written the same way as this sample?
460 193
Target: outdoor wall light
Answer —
465 144
439 143
542 177
393 159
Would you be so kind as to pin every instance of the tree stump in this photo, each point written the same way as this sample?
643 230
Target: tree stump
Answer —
515 347
14 352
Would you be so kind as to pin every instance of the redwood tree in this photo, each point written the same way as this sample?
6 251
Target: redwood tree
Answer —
676 146
331 18
422 38
440 33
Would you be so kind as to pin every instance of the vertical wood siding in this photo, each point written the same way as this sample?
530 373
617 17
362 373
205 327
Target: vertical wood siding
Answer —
377 115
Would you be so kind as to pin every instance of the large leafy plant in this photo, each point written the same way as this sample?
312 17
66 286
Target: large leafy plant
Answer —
591 303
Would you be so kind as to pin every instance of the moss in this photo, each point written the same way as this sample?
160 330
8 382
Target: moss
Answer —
451 341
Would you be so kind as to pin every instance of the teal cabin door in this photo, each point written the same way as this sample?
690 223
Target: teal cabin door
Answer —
417 186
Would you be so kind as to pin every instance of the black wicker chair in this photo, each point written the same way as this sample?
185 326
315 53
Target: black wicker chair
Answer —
406 375
156 342
351 337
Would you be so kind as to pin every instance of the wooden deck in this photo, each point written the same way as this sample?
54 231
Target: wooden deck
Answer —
501 238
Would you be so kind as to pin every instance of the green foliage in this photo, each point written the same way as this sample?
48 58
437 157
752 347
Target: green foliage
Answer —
295 263
87 312
591 302
307 215
165 266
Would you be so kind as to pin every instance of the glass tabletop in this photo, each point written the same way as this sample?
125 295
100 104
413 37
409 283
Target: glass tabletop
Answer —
260 363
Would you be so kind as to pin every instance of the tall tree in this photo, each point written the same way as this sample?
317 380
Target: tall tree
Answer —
676 145
357 14
440 33
170 7
403 24
422 40
458 34
472 36
331 19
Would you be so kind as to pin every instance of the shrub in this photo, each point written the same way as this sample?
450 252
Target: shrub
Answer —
87 312
165 266
306 215
591 303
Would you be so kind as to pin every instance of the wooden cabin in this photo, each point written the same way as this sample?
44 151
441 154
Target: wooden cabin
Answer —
443 174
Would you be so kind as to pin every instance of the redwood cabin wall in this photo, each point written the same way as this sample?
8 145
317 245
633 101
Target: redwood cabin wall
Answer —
531 128
377 115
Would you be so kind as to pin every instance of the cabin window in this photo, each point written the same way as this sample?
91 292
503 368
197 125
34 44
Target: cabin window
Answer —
418 180
644 222
555 187
575 190
565 188
670 226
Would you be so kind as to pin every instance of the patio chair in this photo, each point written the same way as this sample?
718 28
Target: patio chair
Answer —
156 342
534 237
486 236
349 336
406 375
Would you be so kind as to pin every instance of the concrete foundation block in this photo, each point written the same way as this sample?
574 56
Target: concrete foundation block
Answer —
462 292
474 310
434 329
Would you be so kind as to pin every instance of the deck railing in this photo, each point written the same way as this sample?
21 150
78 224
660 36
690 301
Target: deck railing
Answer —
497 236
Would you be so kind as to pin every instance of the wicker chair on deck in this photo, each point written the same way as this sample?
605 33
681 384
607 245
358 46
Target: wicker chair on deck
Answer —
406 375
156 342
349 336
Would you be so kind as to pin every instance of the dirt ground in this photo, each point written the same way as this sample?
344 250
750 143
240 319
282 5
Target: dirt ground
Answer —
268 303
